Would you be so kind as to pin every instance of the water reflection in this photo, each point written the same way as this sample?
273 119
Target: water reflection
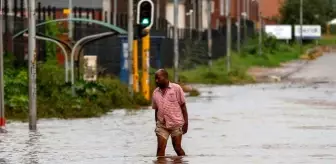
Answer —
3 161
170 160
241 124
32 147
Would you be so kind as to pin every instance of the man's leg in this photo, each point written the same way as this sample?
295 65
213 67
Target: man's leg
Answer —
161 146
162 137
177 145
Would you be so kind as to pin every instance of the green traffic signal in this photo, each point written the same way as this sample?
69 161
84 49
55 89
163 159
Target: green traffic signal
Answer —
145 21
145 13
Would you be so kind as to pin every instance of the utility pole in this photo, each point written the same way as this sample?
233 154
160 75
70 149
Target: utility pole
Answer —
248 8
32 64
176 52
245 18
130 46
238 25
209 34
157 14
115 5
228 35
200 16
260 27
70 26
301 23
195 10
2 92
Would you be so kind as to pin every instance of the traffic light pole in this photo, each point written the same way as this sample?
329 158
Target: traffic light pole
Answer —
130 46
145 17
135 66
145 66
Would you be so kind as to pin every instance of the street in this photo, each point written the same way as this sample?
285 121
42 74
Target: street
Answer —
261 123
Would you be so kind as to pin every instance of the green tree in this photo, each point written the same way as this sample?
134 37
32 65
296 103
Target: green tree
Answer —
314 12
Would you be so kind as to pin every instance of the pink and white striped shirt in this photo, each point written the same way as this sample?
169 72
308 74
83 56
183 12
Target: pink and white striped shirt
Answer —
168 105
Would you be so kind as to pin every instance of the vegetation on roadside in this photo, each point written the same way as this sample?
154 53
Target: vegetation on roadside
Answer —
54 96
274 53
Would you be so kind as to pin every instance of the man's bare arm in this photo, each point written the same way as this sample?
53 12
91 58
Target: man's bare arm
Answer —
184 112
156 111
185 117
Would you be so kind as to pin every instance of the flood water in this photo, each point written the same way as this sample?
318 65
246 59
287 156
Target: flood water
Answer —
259 124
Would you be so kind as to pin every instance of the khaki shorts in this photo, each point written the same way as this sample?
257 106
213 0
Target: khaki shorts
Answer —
164 132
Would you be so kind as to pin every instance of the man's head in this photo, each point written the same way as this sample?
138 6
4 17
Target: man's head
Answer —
161 78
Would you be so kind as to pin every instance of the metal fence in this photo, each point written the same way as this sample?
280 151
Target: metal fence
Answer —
108 50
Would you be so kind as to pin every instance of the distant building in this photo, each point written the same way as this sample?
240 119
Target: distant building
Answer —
78 3
192 13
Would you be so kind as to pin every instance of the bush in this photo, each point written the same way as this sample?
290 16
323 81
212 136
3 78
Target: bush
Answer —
54 96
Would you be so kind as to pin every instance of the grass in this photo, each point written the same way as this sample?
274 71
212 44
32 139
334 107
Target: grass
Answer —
240 63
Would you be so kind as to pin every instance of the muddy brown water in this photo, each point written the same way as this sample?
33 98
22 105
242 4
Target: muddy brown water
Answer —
264 124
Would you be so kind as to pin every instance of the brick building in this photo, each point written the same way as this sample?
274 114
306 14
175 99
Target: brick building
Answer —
196 19
269 9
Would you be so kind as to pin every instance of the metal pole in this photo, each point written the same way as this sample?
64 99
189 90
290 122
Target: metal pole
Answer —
145 55
176 52
72 55
157 13
190 24
200 16
66 65
135 66
245 18
115 4
260 28
194 15
228 35
238 26
32 64
301 23
70 33
248 9
209 34
130 46
2 92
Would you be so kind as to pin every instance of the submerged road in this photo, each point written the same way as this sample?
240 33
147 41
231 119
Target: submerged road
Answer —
263 124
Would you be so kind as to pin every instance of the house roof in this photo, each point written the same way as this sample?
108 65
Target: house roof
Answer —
76 3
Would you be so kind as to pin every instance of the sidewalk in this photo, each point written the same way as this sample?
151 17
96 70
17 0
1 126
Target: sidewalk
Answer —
323 69
278 73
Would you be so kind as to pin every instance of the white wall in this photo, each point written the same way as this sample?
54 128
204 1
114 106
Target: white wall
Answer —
181 14
107 10
205 12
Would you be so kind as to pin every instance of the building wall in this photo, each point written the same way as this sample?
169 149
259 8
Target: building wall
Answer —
181 14
269 9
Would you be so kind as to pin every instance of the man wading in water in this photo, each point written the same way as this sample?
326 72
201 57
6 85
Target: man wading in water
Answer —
170 113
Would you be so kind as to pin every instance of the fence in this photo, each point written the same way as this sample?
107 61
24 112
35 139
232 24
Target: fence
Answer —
192 43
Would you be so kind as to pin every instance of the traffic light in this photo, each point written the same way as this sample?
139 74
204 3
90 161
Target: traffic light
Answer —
145 14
